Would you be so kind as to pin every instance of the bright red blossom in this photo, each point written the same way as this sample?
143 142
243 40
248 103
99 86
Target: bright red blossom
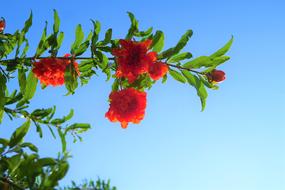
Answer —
133 59
158 70
216 76
50 71
126 106
2 25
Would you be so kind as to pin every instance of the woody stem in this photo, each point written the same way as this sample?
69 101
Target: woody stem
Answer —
183 68
90 58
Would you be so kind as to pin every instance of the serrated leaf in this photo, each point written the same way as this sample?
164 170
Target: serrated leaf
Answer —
224 49
180 57
31 86
158 41
19 134
177 76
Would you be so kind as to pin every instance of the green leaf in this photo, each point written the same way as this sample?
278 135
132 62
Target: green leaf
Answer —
19 134
208 84
79 127
28 24
82 48
198 62
26 48
64 119
108 37
70 78
180 57
96 31
43 44
224 49
31 146
31 86
22 80
79 36
43 162
60 39
63 140
56 22
2 95
183 40
134 26
158 41
199 85
177 76
144 33
179 46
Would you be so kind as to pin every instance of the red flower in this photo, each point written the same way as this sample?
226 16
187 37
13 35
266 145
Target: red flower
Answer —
133 59
50 71
2 25
216 76
126 106
158 70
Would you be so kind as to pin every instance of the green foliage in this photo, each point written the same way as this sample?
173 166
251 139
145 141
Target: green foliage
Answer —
158 41
70 77
21 166
179 46
90 185
19 134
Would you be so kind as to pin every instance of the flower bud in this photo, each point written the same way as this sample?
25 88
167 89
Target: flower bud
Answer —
216 76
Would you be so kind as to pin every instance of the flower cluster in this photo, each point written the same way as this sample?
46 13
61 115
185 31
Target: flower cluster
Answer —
50 71
126 106
133 59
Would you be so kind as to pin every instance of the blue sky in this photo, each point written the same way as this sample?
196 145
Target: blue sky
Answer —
237 143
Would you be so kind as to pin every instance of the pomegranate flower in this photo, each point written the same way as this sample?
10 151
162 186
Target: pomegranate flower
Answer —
133 59
126 106
50 71
2 25
158 70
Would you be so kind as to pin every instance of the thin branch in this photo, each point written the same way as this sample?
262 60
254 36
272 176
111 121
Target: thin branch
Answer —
183 68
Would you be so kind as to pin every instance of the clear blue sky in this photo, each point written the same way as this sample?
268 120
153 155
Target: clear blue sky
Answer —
237 143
